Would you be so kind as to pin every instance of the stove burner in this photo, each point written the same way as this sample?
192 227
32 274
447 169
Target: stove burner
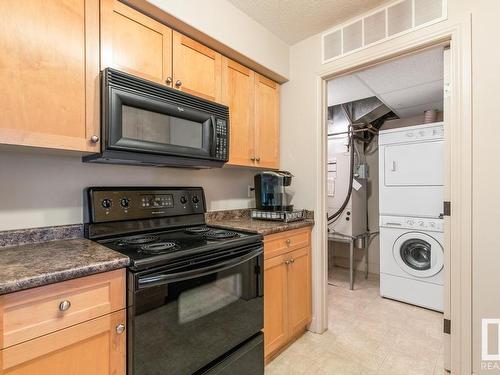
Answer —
138 240
159 247
219 234
196 230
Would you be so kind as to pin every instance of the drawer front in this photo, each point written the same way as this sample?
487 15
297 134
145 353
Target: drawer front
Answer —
39 311
280 243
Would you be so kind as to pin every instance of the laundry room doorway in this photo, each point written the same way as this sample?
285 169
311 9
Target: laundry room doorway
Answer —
387 179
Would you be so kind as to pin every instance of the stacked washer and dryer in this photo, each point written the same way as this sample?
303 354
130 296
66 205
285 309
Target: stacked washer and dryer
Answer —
411 210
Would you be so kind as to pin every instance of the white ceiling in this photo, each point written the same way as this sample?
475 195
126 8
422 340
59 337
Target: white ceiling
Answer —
295 20
408 86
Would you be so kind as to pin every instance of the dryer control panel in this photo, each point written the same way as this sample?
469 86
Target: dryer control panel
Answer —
416 223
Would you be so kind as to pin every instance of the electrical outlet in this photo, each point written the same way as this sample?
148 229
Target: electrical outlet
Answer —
250 193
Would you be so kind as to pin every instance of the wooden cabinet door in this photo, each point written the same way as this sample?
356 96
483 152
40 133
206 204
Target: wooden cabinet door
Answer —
93 347
238 95
299 290
49 73
135 43
275 304
197 68
267 124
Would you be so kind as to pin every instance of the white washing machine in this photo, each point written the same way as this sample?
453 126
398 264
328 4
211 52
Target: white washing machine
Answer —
412 260
411 171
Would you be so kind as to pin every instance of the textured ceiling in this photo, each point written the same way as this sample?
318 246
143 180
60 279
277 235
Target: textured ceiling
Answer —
294 20
409 85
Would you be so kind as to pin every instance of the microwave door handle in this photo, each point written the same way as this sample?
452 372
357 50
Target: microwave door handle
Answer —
156 280
214 136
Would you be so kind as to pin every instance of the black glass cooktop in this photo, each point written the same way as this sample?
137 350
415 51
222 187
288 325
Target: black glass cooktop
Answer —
174 243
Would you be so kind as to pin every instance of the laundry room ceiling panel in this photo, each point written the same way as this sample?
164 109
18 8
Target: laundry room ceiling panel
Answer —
406 72
347 89
414 96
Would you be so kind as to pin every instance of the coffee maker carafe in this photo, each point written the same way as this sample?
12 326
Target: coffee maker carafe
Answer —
270 191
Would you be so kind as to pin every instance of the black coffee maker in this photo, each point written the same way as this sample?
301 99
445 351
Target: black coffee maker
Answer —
270 191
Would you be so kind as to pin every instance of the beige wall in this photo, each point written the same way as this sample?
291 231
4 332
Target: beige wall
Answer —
44 190
224 22
300 106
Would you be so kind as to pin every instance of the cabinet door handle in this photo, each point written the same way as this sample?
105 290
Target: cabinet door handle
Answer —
288 242
257 159
292 260
287 262
64 305
178 83
252 158
94 139
168 81
120 328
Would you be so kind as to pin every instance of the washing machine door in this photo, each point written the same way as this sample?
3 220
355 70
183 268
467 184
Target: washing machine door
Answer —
418 254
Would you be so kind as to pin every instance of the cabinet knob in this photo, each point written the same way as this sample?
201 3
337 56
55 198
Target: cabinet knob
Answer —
178 83
120 328
257 159
287 262
64 305
252 158
292 260
168 81
288 242
94 139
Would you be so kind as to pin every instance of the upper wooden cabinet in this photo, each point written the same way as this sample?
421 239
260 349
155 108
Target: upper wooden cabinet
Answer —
197 68
267 123
135 43
238 85
49 73
253 102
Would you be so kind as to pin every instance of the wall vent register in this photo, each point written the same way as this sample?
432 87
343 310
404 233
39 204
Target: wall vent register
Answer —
387 22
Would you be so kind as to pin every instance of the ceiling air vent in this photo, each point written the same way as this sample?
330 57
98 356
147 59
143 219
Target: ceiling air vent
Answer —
399 17
383 23
352 36
332 45
427 10
375 27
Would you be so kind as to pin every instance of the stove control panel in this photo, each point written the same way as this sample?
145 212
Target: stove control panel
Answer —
110 204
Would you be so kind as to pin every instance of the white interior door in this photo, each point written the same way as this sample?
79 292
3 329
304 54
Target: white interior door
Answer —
416 164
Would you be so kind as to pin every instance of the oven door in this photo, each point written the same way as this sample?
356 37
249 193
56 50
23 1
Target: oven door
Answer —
187 317
142 123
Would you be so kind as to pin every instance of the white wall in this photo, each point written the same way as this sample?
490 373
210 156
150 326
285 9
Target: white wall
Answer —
224 22
44 190
301 141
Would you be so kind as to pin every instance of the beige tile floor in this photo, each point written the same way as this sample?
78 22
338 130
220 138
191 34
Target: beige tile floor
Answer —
367 335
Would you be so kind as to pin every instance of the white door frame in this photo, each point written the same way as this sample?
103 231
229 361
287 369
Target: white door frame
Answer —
458 36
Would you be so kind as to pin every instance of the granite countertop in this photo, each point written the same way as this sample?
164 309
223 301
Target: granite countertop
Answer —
241 220
36 264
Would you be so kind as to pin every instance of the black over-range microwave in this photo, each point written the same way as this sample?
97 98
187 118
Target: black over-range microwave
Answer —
145 123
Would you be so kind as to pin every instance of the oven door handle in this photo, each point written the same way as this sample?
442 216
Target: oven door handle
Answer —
149 281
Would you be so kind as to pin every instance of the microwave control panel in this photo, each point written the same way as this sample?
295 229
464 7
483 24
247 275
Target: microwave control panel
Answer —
221 146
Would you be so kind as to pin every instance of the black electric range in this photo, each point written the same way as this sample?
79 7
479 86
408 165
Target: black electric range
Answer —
160 247
194 292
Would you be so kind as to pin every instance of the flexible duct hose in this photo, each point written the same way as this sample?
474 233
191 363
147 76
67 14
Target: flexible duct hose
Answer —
351 177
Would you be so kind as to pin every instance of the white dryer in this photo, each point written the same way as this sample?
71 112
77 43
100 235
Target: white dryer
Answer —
412 260
411 171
